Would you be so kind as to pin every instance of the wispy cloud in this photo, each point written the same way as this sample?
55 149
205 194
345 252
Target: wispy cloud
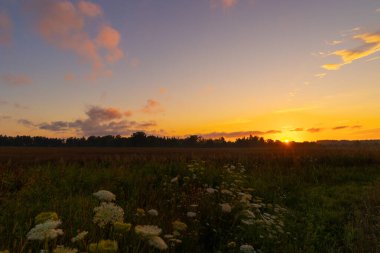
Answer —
152 106
99 121
5 28
16 79
298 129
314 130
5 117
371 45
238 134
334 42
65 25
320 75
340 127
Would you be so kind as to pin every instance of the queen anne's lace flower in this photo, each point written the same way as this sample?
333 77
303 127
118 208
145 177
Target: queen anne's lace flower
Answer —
179 226
246 248
104 195
226 208
45 231
153 212
157 242
79 237
108 213
147 230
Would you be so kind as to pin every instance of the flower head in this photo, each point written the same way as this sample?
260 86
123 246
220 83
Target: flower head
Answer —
153 212
179 226
108 213
45 231
246 248
121 227
45 216
158 243
104 195
147 230
79 237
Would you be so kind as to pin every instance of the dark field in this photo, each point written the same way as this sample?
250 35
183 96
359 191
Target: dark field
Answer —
319 199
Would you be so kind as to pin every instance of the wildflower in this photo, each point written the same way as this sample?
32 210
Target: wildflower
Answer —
104 195
4 251
79 237
61 249
147 230
175 241
168 236
191 214
174 180
157 242
45 216
153 212
246 248
108 213
122 228
226 208
104 246
140 212
227 192
179 226
231 245
45 231
210 190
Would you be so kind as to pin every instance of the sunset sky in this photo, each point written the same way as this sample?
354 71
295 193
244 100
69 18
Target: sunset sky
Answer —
292 69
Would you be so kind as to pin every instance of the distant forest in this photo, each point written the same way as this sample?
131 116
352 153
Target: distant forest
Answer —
138 139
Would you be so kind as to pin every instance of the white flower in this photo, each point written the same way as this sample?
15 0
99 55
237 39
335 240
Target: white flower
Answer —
226 208
61 249
246 248
174 179
104 195
45 231
210 190
79 237
147 230
191 214
157 242
153 212
228 192
108 213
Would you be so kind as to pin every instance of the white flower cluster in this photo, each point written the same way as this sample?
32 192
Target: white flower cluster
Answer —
108 213
79 237
151 233
45 231
104 195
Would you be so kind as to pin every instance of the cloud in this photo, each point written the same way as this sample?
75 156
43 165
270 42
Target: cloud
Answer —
20 106
99 121
89 9
378 10
298 129
238 134
356 127
109 38
16 79
5 28
314 130
371 46
339 127
152 106
334 42
5 117
320 75
65 26
97 113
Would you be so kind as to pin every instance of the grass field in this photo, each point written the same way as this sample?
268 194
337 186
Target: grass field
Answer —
275 200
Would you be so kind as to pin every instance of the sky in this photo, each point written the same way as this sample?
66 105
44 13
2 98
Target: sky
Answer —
288 70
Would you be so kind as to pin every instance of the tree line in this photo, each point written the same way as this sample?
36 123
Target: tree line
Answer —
138 139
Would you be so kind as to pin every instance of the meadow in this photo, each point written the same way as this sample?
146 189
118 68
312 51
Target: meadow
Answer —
283 199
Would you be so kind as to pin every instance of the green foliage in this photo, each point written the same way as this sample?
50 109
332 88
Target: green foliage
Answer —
304 202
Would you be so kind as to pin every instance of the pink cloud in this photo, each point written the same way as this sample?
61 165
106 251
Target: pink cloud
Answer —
224 3
69 77
64 25
152 106
109 38
5 28
16 79
89 9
